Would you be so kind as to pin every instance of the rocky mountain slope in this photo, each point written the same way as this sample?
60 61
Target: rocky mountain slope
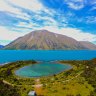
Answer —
43 39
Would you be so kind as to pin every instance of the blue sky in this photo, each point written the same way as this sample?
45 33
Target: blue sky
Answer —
74 18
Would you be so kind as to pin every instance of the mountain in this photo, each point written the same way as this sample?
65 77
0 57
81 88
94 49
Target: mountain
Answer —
88 45
43 39
1 46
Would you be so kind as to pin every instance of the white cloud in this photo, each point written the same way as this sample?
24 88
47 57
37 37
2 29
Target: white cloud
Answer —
48 20
30 25
72 32
33 5
6 34
76 7
91 19
75 4
24 24
4 6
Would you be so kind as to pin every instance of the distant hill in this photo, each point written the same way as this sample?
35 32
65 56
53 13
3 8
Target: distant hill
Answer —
1 46
88 45
43 39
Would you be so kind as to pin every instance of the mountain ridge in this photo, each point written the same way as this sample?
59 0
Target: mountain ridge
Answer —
1 46
44 39
88 44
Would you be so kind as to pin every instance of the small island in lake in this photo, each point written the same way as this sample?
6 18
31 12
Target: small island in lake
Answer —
78 80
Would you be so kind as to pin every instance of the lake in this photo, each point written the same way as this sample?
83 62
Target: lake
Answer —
42 69
48 55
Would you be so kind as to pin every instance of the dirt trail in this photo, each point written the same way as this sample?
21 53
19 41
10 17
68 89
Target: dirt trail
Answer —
38 87
4 81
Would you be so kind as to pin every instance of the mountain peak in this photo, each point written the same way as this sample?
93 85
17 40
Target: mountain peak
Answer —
42 30
44 39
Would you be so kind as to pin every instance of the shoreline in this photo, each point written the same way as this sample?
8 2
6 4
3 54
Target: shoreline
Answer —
70 67
37 62
2 64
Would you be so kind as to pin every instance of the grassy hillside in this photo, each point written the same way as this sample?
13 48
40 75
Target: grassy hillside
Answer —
78 81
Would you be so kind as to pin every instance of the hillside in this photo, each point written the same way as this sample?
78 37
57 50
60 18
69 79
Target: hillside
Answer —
88 45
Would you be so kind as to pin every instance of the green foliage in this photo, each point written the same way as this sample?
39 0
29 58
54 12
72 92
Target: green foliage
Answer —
90 74
78 81
7 90
10 84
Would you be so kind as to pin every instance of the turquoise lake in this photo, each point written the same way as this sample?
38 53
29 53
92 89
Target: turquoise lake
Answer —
48 55
42 69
